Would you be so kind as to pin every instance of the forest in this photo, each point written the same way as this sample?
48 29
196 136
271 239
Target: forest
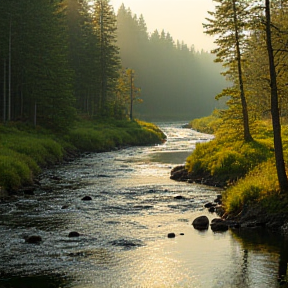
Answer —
66 58
177 82
249 153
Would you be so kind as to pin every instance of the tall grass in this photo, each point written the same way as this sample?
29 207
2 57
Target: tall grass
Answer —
25 150
227 160
209 124
98 137
248 168
261 183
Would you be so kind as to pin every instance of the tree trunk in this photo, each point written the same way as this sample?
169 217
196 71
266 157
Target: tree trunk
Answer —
247 134
280 165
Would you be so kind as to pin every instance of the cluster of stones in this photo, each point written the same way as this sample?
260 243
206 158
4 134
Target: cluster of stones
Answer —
36 239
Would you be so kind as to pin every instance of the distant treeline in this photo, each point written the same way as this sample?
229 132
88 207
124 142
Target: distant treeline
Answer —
61 58
176 81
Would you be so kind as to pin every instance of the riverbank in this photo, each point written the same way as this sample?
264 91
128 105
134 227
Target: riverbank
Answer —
124 228
25 150
246 171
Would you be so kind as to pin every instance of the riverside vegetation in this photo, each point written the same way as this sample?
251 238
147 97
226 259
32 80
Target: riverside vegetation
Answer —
246 169
25 150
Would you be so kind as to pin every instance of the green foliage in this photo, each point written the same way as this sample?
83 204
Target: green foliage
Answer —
248 168
23 151
103 136
105 26
16 169
259 185
41 149
41 78
14 173
228 158
209 124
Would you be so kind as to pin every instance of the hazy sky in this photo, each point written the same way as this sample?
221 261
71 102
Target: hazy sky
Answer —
181 18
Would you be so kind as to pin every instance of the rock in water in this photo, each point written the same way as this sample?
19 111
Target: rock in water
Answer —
34 239
201 223
171 235
86 198
179 197
74 234
219 225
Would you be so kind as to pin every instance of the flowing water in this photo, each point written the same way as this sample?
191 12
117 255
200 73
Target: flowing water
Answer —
123 230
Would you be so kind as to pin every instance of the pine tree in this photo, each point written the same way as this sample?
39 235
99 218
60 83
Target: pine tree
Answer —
40 83
228 23
104 23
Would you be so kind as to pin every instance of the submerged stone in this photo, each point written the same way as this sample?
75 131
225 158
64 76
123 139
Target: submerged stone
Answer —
127 243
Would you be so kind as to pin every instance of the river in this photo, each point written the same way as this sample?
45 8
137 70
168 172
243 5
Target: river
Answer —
123 230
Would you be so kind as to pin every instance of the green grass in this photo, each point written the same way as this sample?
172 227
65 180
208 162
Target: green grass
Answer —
247 168
25 150
227 160
208 124
103 136
259 185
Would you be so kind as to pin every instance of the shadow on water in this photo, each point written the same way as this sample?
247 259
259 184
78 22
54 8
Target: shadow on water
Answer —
43 281
262 241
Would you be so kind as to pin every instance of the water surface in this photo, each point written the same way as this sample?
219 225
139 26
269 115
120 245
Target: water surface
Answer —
123 231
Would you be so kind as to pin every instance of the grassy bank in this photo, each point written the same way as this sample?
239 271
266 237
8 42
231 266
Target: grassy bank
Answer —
208 124
248 169
25 150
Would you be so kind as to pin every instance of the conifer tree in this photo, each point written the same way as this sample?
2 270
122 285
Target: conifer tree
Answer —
228 23
104 23
40 83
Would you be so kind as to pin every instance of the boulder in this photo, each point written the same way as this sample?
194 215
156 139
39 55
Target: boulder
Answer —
179 197
211 209
86 198
218 200
29 190
171 235
219 210
73 234
208 205
179 173
201 223
34 239
219 225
